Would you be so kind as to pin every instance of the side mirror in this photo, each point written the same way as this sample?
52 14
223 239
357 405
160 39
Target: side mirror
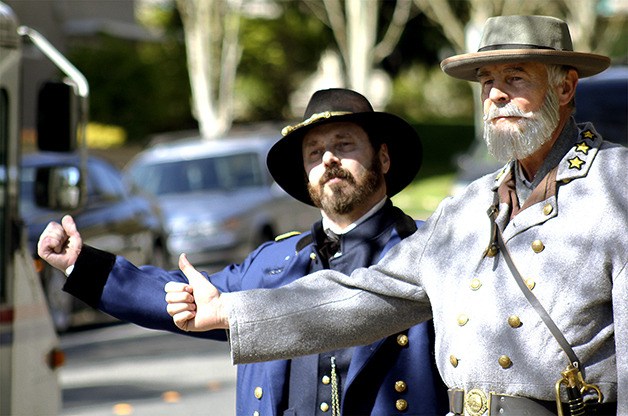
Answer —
57 117
58 187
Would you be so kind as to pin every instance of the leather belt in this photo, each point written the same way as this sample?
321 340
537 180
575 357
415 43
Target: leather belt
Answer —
476 402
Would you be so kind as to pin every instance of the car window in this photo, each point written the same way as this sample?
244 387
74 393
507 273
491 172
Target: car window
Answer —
104 182
239 171
214 173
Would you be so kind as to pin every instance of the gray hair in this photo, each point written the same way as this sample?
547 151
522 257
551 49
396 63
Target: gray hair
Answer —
556 74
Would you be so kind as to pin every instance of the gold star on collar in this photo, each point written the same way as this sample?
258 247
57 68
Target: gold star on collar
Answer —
588 134
576 163
583 148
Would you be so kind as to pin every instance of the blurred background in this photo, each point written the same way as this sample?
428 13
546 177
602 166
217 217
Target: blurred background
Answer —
162 66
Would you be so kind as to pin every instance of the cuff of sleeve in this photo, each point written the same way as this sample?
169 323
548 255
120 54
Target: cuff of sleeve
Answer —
68 271
232 331
87 279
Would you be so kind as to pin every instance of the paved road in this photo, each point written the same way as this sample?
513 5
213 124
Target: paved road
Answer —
127 370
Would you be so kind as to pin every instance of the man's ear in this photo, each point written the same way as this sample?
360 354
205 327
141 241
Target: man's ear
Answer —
384 158
567 89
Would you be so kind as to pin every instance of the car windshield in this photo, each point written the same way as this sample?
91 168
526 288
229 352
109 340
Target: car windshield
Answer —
183 176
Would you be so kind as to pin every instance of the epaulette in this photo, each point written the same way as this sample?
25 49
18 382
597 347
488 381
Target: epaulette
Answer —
286 235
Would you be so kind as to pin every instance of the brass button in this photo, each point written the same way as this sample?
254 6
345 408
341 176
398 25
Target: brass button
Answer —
504 361
514 321
530 283
256 413
538 246
475 284
400 386
547 209
324 407
462 319
313 256
326 380
401 405
453 360
402 340
258 392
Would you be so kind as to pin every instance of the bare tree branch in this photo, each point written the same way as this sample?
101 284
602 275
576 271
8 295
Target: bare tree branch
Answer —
400 18
336 18
211 40
441 13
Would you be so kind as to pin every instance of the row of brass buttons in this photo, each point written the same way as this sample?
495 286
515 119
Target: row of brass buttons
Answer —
513 320
503 360
400 386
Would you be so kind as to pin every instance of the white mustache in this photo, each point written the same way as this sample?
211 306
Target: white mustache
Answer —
508 110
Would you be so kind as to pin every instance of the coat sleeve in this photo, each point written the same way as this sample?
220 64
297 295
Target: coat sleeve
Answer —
135 294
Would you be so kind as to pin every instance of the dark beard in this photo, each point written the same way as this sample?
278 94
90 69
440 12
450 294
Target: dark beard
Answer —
349 194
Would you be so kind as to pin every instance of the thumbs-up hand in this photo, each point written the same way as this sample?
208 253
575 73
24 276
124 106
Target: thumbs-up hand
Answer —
194 306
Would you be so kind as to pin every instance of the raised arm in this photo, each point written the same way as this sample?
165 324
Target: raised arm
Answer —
320 312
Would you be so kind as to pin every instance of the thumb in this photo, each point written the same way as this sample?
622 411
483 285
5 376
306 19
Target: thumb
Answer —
69 227
203 289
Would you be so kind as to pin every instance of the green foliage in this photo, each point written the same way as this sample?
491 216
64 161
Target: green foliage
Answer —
140 86
424 93
421 197
277 55
441 143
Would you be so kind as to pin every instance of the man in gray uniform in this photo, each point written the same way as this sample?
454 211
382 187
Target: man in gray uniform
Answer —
524 272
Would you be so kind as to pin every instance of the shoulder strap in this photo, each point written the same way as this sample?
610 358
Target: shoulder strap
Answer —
304 242
547 319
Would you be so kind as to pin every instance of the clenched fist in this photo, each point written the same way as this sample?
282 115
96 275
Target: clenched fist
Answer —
60 244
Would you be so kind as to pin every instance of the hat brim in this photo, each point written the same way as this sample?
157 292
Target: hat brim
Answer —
285 159
465 66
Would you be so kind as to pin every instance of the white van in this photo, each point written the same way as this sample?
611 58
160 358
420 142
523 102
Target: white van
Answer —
29 346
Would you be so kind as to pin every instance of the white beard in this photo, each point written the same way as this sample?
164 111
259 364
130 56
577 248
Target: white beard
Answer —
521 139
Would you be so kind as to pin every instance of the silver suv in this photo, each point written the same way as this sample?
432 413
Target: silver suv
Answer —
217 200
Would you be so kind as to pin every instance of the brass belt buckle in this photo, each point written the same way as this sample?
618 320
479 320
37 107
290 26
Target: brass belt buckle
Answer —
475 402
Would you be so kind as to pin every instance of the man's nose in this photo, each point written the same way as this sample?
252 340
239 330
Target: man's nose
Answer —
330 158
498 95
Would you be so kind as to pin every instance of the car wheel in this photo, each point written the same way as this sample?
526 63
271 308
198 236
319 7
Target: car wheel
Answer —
60 303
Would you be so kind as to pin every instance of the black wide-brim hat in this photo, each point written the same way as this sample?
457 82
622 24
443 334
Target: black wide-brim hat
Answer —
285 158
507 39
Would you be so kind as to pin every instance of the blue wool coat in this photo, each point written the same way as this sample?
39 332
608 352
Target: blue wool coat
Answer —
395 375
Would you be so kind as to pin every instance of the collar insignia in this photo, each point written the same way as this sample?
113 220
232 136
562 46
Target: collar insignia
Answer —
582 148
588 134
576 163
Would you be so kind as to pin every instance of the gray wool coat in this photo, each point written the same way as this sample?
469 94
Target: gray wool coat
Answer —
570 244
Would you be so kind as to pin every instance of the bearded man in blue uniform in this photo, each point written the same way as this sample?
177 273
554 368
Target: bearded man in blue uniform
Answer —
347 160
